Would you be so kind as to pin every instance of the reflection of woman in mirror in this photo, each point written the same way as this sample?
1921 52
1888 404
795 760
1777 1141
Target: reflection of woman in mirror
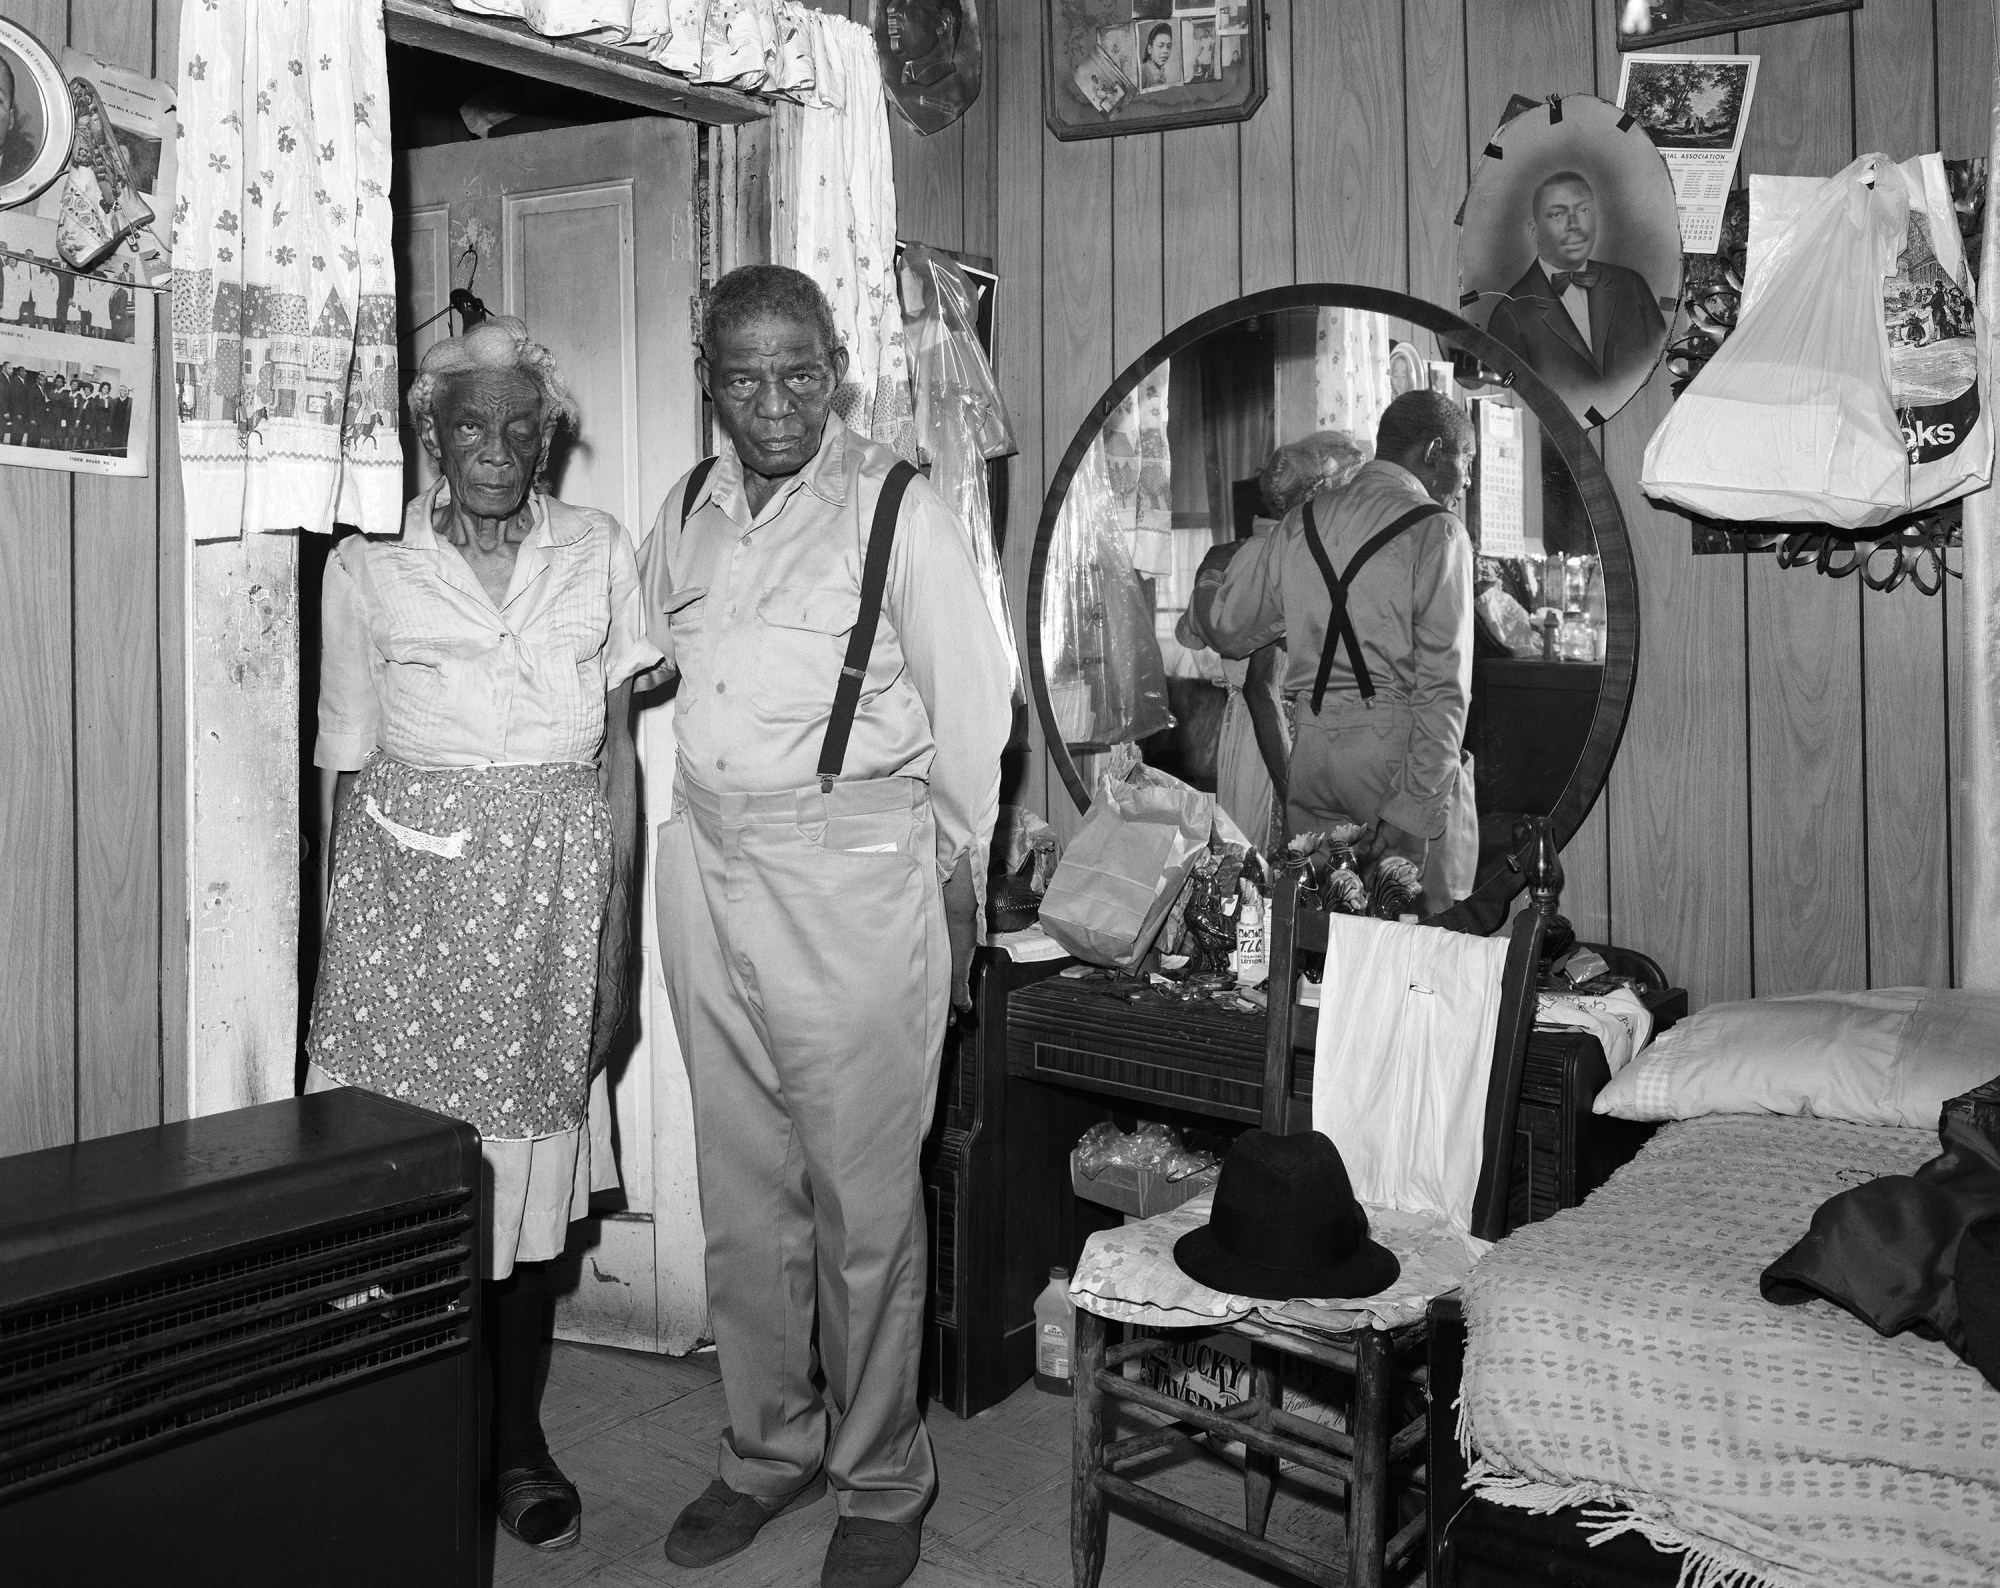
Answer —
1156 57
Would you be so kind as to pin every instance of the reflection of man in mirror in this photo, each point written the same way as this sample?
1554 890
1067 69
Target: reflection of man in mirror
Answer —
17 147
1381 690
1587 327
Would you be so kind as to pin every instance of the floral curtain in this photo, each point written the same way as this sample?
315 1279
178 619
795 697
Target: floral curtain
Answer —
759 46
284 307
833 216
1351 372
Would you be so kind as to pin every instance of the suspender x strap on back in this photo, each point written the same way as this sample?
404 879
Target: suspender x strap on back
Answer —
861 642
1339 626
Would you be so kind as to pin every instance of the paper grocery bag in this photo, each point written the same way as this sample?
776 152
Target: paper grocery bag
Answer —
1120 874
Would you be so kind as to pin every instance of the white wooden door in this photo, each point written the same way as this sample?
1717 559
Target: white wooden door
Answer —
588 234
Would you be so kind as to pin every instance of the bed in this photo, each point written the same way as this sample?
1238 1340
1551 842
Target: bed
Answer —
1623 1376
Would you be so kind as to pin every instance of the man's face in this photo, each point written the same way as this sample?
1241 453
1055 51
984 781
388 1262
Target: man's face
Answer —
1566 224
486 434
772 382
1449 471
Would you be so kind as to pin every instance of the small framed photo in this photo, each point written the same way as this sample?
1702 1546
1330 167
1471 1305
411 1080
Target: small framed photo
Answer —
1118 66
37 120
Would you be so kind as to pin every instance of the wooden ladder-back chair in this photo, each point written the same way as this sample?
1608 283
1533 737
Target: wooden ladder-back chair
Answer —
1367 1455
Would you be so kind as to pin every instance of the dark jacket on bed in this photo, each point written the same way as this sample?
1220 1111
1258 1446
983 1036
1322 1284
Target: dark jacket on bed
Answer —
1918 1251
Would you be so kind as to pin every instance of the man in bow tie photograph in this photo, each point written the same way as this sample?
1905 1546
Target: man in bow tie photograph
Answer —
1590 328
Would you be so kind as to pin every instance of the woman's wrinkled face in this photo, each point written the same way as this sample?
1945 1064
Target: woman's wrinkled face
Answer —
486 434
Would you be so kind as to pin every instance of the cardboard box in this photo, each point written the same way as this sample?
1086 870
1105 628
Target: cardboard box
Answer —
1139 1192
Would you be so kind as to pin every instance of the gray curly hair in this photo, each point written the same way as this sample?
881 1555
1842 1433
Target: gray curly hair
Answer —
501 342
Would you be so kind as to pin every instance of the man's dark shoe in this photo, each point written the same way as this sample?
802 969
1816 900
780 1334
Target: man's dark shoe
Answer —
870 1554
722 1522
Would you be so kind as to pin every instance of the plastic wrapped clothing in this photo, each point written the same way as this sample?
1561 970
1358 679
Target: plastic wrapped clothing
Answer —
961 421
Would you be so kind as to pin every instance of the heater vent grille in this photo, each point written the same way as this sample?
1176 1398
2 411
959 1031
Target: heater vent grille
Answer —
91 1378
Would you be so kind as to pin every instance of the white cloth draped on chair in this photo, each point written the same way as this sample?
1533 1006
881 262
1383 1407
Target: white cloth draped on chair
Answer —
833 216
1402 1060
284 307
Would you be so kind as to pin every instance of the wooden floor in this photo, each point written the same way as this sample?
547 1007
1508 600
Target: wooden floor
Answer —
637 1433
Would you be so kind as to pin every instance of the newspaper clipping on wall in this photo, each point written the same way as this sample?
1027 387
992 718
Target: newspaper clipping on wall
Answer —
1695 108
76 357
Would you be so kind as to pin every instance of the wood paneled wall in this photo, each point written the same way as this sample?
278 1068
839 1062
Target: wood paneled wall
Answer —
1779 816
92 940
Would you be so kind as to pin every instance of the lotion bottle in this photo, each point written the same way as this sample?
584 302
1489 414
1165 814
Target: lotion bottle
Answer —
1055 1329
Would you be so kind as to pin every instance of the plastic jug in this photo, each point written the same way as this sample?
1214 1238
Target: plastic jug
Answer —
1055 1327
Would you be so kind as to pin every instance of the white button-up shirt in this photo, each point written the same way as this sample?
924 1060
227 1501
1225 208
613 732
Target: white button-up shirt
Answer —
415 658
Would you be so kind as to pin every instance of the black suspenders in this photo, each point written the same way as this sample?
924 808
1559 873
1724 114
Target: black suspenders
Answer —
1339 626
861 641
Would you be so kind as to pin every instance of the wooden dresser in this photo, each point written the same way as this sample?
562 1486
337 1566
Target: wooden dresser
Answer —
1047 1057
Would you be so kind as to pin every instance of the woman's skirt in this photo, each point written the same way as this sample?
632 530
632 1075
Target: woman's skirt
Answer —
533 1190
460 966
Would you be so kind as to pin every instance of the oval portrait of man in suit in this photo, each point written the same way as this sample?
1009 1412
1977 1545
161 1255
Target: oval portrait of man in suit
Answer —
1569 250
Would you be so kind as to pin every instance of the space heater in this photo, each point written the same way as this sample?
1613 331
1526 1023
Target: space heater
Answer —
241 1350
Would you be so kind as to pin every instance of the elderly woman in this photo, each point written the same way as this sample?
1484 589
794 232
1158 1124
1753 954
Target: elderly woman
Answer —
475 728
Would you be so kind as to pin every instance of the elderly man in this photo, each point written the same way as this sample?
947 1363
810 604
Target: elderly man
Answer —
476 673
1589 328
1370 586
817 881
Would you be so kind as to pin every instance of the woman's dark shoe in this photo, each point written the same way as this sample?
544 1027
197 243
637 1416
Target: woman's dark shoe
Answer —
539 1506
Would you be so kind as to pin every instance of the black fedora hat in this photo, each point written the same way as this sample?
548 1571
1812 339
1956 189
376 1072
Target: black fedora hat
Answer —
1285 1223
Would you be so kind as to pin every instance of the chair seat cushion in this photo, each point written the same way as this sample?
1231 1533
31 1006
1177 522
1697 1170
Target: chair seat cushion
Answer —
1129 1275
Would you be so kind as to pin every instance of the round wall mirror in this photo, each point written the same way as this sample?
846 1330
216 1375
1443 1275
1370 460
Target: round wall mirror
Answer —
1167 465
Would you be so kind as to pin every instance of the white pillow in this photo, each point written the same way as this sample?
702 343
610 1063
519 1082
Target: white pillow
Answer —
1890 1056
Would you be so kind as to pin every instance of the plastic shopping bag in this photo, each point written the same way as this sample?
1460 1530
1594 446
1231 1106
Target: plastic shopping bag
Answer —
1120 874
1796 419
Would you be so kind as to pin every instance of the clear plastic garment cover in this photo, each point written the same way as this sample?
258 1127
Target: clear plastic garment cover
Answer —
1167 464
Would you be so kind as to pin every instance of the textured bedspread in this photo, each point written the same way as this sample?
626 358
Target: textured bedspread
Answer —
1620 1356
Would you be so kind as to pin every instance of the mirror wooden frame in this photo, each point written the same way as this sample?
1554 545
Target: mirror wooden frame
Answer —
1487 905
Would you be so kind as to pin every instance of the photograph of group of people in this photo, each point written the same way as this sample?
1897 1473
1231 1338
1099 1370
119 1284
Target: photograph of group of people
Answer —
45 294
57 405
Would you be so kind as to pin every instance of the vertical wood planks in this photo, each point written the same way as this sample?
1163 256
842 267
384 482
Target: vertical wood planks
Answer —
1201 202
1347 115
117 692
1265 150
1964 41
1809 831
1530 47
37 817
1015 82
977 165
930 182
1138 291
1435 134
1903 646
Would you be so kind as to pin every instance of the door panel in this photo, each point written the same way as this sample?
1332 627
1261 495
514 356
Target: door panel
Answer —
589 235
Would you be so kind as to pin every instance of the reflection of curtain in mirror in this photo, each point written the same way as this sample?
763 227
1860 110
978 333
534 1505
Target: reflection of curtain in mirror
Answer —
1139 472
1352 369
1099 657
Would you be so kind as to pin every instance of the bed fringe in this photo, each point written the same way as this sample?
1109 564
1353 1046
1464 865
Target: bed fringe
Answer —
1704 1562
